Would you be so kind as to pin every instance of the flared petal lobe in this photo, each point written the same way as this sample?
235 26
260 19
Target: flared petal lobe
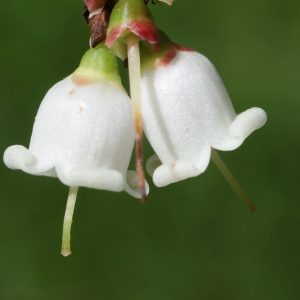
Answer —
186 111
83 132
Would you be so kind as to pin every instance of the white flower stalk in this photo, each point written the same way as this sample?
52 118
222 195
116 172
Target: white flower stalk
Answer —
130 24
187 111
135 93
68 219
232 181
83 133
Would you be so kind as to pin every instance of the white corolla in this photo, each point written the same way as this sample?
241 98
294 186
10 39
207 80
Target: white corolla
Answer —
83 132
186 111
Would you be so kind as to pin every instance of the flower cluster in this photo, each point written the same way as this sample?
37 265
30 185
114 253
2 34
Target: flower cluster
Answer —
86 126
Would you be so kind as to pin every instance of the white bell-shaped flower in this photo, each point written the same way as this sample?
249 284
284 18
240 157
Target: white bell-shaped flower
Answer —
83 131
186 111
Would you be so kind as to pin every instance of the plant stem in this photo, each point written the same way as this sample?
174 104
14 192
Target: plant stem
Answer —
232 181
135 92
65 248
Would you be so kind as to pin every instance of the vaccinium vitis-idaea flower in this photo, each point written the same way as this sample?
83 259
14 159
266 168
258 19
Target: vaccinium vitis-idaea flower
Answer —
187 111
83 132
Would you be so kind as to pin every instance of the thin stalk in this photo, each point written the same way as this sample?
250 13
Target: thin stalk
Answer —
66 248
133 52
232 181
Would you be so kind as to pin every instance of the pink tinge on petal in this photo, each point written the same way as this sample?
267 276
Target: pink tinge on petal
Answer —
182 48
170 55
166 59
94 4
80 80
142 28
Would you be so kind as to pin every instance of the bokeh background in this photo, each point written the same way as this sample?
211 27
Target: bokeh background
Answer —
194 239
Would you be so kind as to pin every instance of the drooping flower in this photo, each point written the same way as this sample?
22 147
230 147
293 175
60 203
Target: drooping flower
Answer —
83 132
187 111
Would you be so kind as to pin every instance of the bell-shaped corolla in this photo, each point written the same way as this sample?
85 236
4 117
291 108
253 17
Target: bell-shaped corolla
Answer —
186 111
83 132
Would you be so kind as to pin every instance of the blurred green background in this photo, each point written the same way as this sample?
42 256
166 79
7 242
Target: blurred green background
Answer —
194 239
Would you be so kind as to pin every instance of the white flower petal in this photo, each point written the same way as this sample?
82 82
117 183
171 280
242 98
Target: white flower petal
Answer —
152 164
248 121
83 134
132 186
92 177
187 110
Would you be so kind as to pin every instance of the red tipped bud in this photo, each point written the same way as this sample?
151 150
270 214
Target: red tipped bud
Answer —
92 5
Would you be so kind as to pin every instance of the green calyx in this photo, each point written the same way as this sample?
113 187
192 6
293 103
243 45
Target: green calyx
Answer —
126 11
166 53
127 17
97 64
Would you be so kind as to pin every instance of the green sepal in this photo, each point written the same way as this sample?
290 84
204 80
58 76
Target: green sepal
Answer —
97 64
131 16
